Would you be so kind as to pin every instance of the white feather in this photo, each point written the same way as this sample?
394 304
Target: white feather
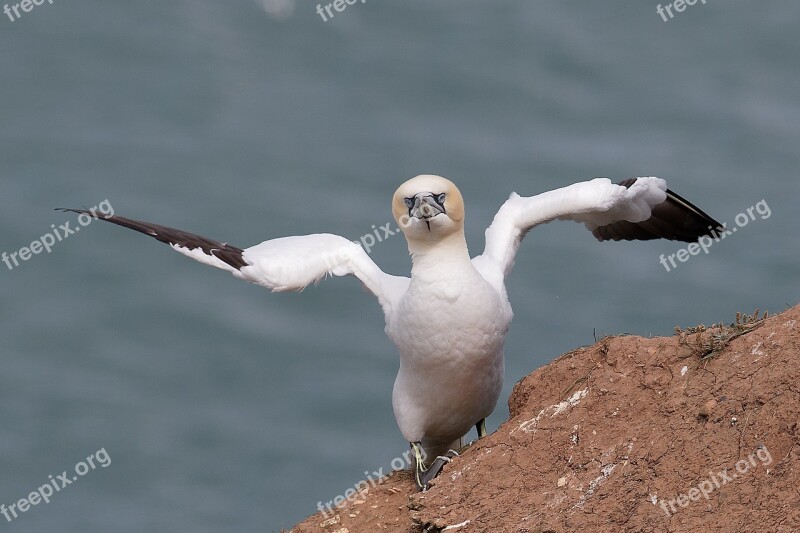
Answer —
199 255
293 263
594 203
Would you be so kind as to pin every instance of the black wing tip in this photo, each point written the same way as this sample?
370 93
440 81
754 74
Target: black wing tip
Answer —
85 211
675 219
229 254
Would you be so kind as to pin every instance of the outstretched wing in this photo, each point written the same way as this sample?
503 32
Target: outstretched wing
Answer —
284 264
634 209
675 218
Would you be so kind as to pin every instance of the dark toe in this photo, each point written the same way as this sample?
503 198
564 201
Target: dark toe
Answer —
434 470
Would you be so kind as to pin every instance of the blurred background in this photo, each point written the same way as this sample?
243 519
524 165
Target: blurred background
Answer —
226 408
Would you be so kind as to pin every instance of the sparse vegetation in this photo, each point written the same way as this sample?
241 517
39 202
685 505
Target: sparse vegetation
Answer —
707 341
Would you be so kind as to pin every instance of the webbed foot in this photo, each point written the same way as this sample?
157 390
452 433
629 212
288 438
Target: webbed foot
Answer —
436 467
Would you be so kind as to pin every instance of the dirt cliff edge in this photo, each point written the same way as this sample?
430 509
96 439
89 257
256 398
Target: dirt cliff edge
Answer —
695 432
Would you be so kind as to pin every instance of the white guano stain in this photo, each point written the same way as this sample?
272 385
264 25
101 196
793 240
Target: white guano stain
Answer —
457 526
530 426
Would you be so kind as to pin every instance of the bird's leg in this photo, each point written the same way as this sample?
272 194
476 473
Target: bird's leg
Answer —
419 464
481 428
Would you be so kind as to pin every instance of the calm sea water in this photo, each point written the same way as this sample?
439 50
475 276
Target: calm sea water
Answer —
223 407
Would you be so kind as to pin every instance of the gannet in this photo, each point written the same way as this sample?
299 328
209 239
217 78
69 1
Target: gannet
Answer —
450 318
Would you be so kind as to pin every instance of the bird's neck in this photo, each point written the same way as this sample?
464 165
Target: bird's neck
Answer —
445 254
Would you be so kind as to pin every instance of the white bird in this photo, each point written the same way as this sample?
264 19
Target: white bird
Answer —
449 319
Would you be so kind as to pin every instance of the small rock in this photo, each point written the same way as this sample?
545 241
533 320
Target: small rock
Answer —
562 481
331 521
709 406
706 409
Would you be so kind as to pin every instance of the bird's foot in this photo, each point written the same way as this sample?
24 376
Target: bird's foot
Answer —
426 476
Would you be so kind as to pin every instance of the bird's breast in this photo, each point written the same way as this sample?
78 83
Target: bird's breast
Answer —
449 322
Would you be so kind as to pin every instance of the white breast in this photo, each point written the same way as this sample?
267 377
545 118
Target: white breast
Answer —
450 328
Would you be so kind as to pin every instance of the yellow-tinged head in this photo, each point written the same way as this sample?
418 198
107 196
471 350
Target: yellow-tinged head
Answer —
428 208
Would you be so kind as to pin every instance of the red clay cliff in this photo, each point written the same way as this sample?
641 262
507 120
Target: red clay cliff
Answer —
695 432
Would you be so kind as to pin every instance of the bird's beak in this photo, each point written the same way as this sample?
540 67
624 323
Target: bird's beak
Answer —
425 207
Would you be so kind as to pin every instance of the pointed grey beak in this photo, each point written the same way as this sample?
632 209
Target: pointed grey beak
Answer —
425 205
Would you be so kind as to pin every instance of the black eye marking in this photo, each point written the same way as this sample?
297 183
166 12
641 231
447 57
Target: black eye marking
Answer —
440 199
409 202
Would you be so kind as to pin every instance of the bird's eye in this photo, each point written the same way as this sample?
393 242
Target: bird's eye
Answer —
440 199
409 203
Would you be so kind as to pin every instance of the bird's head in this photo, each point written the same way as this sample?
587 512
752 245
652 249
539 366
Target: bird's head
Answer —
428 208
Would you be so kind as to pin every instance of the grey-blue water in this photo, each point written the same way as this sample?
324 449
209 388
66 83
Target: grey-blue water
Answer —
223 407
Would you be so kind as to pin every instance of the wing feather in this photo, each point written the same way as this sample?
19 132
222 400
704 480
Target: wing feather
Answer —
675 219
283 264
634 209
